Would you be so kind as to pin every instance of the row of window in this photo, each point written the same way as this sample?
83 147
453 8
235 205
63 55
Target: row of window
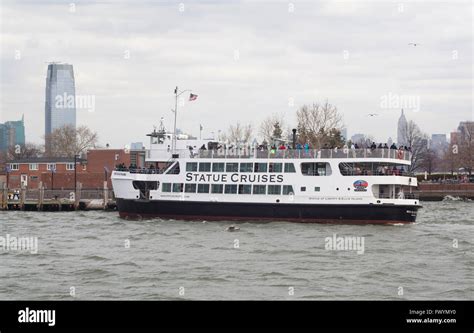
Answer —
242 167
35 166
228 188
307 168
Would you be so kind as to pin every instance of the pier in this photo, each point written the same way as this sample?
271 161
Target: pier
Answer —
42 199
437 192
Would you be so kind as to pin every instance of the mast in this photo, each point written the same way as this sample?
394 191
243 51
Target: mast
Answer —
175 116
176 94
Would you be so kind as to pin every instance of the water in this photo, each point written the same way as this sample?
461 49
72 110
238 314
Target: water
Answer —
87 251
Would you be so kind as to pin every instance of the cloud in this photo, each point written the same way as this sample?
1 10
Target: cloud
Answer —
245 60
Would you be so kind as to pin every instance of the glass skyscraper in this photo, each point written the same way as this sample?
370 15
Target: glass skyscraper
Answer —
60 104
12 133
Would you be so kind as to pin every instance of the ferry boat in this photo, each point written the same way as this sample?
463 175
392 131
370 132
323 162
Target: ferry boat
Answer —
204 180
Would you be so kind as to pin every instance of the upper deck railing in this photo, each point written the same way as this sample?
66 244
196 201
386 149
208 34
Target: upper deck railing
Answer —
244 153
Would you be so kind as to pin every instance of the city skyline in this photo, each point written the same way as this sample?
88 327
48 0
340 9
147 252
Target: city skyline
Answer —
240 69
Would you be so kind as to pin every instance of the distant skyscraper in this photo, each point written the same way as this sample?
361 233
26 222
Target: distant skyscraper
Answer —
344 133
454 138
465 130
438 142
60 106
12 133
358 138
401 130
136 146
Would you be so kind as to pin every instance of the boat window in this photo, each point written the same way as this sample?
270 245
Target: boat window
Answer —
246 167
232 167
274 189
290 168
315 169
259 189
245 189
166 187
260 167
174 169
204 167
275 167
217 167
303 188
230 189
191 166
190 188
287 190
177 187
217 188
203 188
372 169
317 189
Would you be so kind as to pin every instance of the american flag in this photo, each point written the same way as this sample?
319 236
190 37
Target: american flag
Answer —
192 97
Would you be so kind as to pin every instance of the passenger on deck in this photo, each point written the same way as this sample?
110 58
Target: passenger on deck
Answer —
393 146
394 171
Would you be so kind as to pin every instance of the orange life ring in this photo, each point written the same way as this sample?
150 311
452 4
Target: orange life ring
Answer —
400 154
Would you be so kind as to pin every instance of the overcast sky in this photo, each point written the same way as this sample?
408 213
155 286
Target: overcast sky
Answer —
245 60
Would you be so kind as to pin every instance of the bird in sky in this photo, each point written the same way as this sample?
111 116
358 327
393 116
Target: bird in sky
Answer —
414 44
373 114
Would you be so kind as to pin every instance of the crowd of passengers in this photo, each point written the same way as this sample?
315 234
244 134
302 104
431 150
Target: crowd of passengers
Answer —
274 148
133 168
379 171
306 146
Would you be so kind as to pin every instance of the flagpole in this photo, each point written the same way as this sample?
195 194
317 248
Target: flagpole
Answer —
176 115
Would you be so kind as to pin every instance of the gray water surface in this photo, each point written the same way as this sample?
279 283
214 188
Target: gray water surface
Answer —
169 259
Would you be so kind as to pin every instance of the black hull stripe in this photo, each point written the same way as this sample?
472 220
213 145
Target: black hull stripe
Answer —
231 211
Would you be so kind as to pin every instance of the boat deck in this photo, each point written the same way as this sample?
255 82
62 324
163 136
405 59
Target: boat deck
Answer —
379 153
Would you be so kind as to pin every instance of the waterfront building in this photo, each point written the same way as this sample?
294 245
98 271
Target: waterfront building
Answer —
12 133
58 172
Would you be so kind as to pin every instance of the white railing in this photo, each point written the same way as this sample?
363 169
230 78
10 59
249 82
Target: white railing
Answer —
296 153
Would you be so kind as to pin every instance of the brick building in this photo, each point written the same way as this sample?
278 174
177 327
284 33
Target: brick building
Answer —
59 172
54 172
103 161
